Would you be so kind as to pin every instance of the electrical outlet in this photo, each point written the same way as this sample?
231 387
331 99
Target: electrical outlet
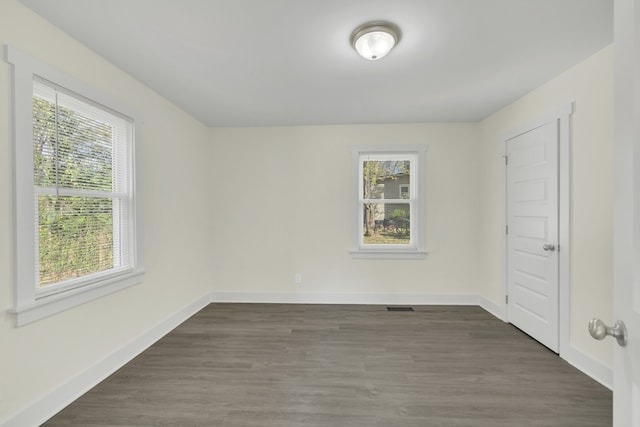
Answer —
297 278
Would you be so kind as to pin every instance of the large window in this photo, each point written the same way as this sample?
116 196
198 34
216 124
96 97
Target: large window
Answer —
389 197
75 206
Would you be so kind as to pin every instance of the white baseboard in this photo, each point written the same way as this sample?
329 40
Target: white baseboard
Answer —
575 357
363 298
493 308
52 402
589 366
368 298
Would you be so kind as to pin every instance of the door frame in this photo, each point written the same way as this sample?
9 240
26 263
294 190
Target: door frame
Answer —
562 115
626 179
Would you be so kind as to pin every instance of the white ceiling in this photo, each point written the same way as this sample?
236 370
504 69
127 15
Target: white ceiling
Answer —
290 62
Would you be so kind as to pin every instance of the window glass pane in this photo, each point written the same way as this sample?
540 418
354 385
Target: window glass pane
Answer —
71 149
75 237
386 224
381 179
44 143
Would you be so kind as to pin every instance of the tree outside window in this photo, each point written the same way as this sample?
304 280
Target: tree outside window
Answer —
389 201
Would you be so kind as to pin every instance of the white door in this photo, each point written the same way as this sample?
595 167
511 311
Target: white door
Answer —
532 237
626 281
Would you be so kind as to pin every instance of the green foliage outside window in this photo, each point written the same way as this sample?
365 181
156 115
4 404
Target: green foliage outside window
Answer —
75 233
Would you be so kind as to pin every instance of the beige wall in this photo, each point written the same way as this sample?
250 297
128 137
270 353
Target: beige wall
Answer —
590 85
288 195
38 357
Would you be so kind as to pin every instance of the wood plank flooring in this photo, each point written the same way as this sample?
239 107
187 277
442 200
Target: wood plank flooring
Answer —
343 365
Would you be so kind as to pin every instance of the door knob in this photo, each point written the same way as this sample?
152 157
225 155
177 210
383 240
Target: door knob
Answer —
599 330
549 247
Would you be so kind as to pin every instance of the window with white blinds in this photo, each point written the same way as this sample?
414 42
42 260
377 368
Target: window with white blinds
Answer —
77 212
81 173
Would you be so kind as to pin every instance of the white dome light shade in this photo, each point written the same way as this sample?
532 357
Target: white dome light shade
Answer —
374 40
375 45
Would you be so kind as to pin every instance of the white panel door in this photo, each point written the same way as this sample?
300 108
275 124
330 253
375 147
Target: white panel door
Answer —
532 239
626 280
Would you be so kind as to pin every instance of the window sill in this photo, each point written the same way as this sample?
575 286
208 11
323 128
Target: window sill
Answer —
56 303
387 254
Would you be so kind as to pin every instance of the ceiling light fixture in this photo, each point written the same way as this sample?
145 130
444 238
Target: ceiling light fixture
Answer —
374 40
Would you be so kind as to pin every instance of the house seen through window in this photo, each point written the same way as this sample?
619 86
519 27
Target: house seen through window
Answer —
390 200
386 213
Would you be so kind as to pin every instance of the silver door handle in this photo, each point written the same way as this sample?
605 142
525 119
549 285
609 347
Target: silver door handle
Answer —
549 247
599 330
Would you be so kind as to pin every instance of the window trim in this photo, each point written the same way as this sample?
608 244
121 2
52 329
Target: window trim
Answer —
417 250
29 304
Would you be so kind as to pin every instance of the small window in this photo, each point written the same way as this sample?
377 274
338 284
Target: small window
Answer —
389 202
77 213
404 191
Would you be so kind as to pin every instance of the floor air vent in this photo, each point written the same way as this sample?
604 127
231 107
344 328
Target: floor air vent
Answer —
401 308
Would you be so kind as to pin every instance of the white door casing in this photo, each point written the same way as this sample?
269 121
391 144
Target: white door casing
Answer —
532 179
626 280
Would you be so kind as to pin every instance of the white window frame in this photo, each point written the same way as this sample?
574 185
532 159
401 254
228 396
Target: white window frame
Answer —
417 248
31 304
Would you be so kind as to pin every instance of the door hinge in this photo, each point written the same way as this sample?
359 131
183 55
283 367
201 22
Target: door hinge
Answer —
506 160
506 299
506 229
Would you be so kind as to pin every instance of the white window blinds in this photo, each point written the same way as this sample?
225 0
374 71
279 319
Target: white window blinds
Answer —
82 187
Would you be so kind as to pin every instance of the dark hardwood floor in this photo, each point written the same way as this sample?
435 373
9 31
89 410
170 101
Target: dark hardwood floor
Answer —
343 365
